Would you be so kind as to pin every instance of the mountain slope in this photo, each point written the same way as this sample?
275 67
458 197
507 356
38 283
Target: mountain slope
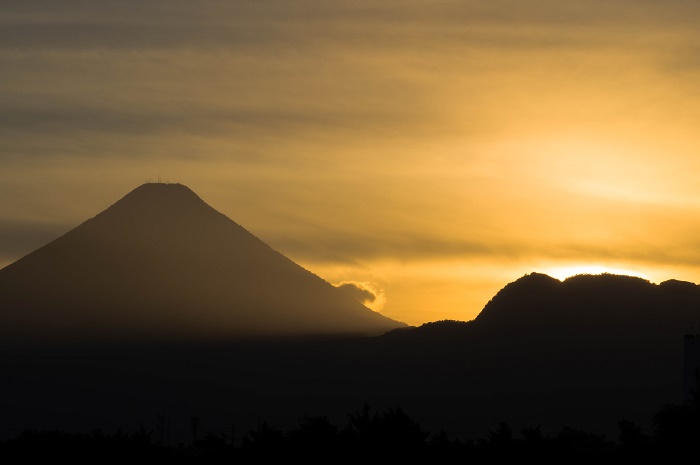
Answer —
584 314
586 352
609 304
161 263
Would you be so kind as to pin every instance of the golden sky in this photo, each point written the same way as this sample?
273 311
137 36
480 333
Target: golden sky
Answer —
436 150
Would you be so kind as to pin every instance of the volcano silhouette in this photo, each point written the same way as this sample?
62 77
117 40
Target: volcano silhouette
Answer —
162 264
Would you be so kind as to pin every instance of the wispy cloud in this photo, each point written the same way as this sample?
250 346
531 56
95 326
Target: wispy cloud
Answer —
367 293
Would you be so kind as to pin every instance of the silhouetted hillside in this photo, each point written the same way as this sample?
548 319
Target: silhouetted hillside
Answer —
539 307
160 264
591 348
584 353
608 307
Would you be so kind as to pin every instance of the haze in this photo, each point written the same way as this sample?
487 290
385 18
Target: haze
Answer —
433 151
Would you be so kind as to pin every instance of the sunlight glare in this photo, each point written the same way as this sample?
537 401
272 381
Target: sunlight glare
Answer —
561 273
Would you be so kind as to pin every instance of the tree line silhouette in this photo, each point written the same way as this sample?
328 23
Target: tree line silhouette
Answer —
391 434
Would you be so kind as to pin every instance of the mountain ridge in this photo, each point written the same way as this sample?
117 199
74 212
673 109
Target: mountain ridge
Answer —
161 262
537 297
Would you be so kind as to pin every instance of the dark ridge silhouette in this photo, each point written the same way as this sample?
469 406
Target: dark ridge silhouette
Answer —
161 264
608 306
132 317
591 348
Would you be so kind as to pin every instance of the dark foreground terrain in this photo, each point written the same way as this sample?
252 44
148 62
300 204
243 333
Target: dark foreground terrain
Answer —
367 434
546 356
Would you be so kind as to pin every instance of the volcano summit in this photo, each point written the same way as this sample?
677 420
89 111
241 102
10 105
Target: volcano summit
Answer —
162 264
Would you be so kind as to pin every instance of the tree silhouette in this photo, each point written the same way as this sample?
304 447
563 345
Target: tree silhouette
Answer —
572 442
265 441
373 435
389 433
194 424
314 431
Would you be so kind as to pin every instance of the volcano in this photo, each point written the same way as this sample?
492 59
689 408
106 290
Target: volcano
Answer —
162 264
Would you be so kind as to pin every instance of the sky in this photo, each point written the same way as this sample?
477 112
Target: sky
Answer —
428 151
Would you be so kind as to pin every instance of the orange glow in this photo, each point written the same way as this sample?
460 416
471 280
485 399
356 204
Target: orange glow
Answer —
564 272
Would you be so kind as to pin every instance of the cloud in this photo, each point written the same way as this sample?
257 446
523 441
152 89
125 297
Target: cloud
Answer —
316 251
367 293
77 24
56 117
